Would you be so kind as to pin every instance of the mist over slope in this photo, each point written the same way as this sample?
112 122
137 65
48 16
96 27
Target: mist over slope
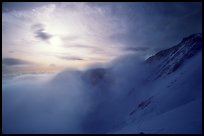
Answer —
160 95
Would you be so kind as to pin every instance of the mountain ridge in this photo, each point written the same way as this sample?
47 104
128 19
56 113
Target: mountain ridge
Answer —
172 58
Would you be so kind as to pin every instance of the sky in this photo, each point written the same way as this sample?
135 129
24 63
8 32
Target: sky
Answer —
53 35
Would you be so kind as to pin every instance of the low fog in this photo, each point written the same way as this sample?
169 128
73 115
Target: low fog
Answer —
71 101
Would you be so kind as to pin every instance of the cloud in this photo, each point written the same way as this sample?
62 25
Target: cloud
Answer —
11 51
40 32
67 102
104 25
37 26
169 23
72 58
52 65
14 61
11 6
73 101
92 49
79 46
68 39
136 49
47 107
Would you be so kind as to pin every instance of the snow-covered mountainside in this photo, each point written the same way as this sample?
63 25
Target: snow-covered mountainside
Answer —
170 100
160 95
166 98
167 61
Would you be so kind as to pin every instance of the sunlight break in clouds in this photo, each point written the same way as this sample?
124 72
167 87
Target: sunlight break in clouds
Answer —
48 33
120 92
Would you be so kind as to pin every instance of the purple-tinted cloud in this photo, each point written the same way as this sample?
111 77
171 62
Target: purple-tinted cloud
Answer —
40 32
14 61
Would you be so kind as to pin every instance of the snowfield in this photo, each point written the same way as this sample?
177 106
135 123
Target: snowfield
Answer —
162 95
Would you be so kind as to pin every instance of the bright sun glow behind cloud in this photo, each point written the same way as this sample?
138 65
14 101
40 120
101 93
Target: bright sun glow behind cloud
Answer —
59 33
56 41
78 34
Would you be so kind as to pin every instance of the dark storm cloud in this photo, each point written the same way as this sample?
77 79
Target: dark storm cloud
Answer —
14 61
39 31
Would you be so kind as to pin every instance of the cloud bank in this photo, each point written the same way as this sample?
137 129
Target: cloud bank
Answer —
65 102
14 61
99 99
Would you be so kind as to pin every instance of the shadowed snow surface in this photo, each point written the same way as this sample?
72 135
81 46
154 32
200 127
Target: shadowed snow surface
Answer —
161 95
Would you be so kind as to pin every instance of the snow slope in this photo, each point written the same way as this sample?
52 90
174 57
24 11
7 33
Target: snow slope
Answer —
180 120
169 105
155 104
160 95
